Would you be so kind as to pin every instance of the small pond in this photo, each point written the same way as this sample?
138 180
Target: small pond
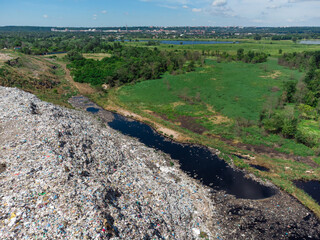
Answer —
174 42
311 42
261 168
93 109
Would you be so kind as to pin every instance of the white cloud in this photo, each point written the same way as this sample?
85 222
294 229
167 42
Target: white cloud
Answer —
168 6
94 17
45 16
103 11
196 10
219 3
248 12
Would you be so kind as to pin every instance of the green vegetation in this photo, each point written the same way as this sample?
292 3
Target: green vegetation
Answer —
223 99
296 114
130 64
44 78
250 57
237 100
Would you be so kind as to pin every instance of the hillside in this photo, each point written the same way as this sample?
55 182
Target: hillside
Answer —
63 175
43 77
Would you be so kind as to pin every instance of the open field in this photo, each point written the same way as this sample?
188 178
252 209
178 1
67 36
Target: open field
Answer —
214 99
207 107
267 46
95 56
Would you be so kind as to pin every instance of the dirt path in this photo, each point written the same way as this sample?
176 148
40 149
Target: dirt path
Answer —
84 88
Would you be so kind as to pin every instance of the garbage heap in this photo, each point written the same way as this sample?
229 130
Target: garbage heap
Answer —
63 175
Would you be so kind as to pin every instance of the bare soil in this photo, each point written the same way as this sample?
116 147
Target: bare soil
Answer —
191 124
84 88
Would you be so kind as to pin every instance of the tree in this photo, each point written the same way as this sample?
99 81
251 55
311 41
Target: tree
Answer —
74 55
290 89
240 52
257 37
294 39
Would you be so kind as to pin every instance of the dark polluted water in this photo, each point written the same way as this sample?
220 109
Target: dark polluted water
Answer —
93 109
261 168
312 188
199 162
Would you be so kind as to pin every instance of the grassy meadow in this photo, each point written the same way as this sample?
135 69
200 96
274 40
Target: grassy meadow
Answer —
219 105
267 46
216 99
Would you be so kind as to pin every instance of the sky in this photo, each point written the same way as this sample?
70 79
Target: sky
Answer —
108 13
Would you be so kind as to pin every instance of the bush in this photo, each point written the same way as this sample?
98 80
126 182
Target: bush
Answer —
305 138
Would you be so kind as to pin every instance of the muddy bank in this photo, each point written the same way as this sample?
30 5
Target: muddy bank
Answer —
278 217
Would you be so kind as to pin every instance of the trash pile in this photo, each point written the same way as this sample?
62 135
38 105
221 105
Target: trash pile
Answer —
64 176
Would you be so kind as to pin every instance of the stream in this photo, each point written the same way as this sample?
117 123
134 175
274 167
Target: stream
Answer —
197 161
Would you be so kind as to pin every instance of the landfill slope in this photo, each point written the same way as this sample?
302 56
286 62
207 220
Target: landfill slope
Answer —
63 175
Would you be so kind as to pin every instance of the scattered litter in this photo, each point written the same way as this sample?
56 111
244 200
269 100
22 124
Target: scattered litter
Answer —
63 176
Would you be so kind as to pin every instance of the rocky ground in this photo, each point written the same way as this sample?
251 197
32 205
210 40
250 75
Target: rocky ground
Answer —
65 175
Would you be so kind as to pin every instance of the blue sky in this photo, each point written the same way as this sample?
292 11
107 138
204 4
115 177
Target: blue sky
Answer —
106 13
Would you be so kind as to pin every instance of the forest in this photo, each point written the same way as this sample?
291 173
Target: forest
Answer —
131 64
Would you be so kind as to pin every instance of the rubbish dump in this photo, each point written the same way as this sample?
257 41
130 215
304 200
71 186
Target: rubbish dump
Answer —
63 176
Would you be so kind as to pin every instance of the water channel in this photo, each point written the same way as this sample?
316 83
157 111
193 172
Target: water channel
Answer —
310 42
199 162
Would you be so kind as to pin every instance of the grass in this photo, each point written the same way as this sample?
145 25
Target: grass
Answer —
220 97
96 56
232 89
267 46
35 68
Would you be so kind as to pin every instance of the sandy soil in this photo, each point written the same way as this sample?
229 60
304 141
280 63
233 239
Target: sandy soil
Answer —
4 57
158 127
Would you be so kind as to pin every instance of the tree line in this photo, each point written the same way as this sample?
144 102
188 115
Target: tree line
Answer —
247 57
299 101
131 64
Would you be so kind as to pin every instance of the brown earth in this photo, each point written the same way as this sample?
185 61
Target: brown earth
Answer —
271 152
191 124
29 73
83 88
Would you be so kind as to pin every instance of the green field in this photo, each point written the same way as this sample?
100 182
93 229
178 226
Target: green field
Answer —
216 99
267 46
233 89
219 105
